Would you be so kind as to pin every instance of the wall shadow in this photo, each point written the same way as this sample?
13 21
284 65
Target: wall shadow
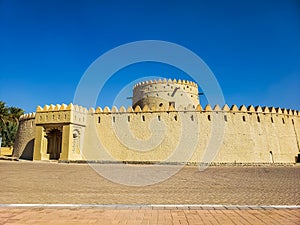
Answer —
28 151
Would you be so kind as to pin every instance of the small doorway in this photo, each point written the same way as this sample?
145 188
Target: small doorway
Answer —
54 138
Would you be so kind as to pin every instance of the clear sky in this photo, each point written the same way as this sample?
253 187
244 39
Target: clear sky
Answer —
252 47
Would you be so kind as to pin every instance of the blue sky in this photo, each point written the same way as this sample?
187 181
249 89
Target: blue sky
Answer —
252 47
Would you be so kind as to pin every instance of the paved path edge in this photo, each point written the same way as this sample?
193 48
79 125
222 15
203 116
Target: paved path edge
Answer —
123 206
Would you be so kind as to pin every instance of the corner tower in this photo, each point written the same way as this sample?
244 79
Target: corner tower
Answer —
163 93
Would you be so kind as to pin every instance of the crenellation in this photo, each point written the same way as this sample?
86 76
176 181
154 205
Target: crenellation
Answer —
234 108
226 108
284 111
57 107
122 109
46 107
199 108
70 107
251 109
137 109
129 109
106 109
39 109
146 108
114 109
243 108
265 109
278 110
162 109
258 109
171 108
208 108
51 107
91 110
272 110
99 110
63 107
217 108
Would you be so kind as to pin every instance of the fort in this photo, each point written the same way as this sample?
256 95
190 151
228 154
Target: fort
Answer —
166 123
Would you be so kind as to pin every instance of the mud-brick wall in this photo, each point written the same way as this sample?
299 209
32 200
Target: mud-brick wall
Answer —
24 143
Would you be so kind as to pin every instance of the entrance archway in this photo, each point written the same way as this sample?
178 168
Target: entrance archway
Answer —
54 139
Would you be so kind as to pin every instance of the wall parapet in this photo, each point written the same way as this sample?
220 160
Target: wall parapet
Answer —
114 110
208 108
63 113
27 116
165 81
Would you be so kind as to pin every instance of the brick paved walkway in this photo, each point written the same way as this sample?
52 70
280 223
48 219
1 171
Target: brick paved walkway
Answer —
10 216
31 182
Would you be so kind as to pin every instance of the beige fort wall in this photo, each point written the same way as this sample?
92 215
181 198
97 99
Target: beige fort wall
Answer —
250 135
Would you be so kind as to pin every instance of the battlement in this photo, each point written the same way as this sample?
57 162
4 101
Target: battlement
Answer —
198 108
146 109
27 116
51 114
165 81
62 107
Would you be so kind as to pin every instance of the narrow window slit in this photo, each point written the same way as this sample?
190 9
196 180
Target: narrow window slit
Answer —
225 118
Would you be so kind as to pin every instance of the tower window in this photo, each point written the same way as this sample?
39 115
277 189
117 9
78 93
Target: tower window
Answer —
175 118
272 120
258 119
208 117
158 117
244 118
283 121
128 118
143 118
160 104
225 118
99 119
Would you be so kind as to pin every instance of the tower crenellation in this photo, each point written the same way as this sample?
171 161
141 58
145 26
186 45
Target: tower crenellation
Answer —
165 92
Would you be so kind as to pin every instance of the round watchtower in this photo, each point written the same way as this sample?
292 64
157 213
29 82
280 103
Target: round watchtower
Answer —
165 93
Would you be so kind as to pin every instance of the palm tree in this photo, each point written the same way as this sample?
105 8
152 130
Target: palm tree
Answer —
15 113
9 134
9 119
3 116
